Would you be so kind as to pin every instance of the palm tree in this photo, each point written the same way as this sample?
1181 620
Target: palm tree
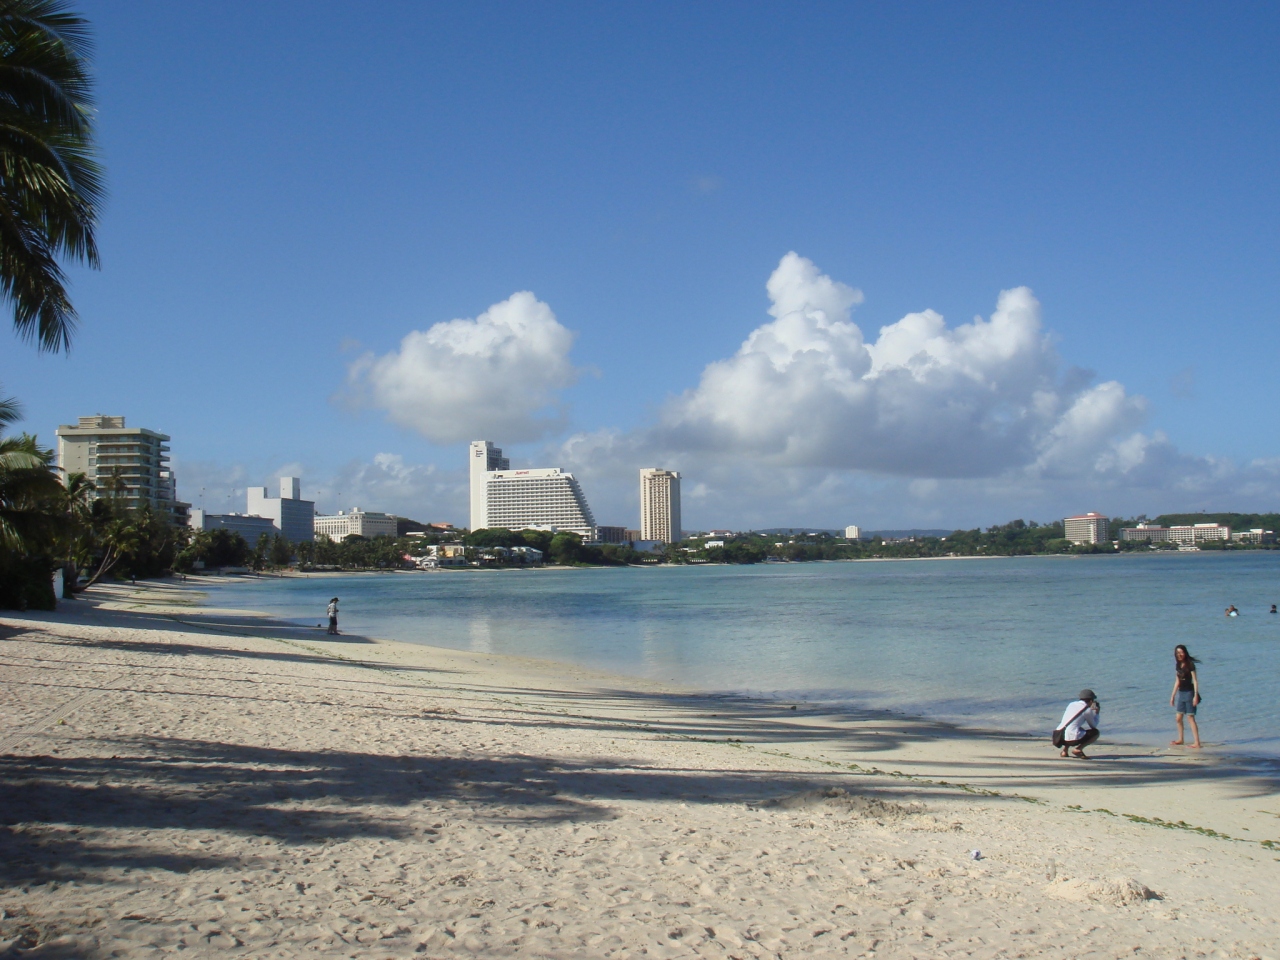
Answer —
50 184
28 488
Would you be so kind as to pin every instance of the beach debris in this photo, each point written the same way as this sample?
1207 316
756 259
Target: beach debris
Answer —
839 800
975 854
1120 891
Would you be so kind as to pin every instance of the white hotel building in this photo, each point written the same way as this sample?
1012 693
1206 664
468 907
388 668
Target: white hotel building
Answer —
357 522
1087 528
546 498
1187 535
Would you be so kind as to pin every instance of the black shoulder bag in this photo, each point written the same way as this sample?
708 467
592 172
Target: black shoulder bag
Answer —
1059 736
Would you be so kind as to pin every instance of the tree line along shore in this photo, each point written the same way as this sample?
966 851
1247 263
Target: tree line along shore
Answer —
92 538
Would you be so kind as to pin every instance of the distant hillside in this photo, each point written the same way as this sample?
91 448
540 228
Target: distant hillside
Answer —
1236 521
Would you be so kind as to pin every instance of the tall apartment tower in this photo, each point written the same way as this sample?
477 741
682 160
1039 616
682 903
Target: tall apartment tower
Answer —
130 465
484 458
659 505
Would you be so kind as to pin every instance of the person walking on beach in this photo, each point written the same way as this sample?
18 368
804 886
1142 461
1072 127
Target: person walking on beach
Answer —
333 615
1080 724
1186 695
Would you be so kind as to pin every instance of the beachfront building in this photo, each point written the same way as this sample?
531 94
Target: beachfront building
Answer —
545 498
659 505
541 499
1184 536
251 528
612 534
1087 528
127 464
1256 535
853 533
484 458
356 522
293 517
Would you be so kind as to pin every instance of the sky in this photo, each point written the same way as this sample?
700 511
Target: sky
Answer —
908 265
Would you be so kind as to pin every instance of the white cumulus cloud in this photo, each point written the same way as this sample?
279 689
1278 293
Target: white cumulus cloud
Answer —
493 376
808 389
812 421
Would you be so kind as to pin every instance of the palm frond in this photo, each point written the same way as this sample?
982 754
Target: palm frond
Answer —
51 185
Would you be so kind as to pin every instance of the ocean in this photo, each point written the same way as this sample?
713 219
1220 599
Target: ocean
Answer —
996 643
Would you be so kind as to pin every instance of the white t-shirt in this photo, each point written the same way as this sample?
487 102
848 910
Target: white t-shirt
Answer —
1086 721
333 609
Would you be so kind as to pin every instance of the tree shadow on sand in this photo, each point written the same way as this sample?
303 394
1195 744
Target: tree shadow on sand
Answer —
52 808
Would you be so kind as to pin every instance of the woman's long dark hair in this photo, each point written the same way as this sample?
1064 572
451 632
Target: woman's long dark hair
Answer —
1190 661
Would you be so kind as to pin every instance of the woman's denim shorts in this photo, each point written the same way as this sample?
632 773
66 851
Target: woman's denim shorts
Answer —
1184 702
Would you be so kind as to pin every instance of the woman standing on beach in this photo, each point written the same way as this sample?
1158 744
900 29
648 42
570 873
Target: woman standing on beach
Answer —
1186 694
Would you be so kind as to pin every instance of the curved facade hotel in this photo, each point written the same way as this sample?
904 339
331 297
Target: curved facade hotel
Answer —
521 499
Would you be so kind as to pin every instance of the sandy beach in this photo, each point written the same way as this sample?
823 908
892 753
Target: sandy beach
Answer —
180 778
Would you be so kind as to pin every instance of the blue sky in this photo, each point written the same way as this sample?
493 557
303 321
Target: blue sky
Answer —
290 194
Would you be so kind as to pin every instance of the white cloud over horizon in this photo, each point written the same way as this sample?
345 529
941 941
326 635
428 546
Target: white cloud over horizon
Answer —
808 389
495 375
810 421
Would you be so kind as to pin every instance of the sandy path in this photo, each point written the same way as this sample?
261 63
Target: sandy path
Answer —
174 778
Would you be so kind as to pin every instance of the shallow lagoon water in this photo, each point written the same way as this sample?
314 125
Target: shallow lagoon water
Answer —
1001 643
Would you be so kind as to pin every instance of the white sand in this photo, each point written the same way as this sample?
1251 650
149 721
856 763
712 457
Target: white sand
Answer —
176 778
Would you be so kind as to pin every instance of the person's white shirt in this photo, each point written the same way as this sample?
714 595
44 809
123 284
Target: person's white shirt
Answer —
333 609
1075 729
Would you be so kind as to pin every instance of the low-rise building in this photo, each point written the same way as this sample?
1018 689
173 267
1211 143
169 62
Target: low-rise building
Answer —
251 528
611 534
356 522
712 544
1184 535
443 555
1256 535
1087 528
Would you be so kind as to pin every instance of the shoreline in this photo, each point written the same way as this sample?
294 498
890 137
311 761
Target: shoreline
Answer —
1017 744
1156 743
179 776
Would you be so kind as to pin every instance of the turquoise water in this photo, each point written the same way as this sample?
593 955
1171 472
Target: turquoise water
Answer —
1001 643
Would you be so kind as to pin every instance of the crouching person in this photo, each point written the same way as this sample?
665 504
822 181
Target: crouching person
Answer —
1080 724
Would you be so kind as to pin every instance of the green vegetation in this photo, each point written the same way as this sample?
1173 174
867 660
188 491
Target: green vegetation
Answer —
1236 521
50 184
1017 538
563 548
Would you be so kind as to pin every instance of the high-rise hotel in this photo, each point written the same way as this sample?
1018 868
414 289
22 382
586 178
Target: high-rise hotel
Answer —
127 464
523 499
659 505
